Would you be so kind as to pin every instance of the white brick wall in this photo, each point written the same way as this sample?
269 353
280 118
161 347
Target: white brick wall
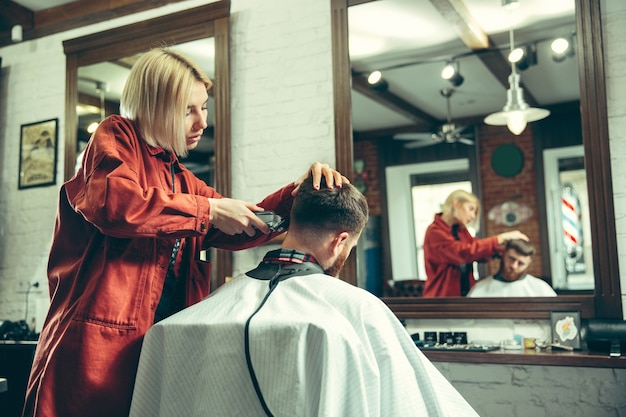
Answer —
33 89
614 32
282 112
539 391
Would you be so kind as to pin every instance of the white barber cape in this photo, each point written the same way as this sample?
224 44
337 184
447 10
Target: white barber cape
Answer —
529 286
318 346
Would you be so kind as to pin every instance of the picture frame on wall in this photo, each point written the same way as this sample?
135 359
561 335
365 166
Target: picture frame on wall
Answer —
566 329
38 154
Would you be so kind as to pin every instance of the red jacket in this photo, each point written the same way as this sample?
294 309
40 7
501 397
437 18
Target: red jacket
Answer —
443 254
116 225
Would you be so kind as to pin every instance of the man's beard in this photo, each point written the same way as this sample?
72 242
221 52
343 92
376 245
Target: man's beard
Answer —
335 268
511 276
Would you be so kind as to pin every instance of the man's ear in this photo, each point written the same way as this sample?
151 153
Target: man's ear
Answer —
338 242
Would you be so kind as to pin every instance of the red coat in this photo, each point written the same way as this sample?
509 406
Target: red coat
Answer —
116 226
443 254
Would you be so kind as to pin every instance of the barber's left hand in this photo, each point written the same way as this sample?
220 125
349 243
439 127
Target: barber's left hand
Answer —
317 169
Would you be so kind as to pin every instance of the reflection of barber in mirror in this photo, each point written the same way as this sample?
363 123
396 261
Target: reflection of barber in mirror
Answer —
450 249
512 280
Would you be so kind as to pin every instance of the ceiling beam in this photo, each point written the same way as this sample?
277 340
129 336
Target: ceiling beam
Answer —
456 13
423 120
392 131
393 102
69 16
12 14
458 16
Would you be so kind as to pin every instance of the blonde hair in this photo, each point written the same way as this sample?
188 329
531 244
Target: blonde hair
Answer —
461 196
156 96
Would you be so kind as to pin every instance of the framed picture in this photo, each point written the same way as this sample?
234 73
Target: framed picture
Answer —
566 328
38 154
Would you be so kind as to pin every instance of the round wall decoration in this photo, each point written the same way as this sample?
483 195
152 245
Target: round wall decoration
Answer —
507 160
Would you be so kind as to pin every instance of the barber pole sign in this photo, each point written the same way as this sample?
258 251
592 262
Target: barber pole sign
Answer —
571 220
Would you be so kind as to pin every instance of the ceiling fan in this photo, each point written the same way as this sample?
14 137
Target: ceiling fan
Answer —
448 132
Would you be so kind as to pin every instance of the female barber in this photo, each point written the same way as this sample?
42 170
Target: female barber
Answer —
129 230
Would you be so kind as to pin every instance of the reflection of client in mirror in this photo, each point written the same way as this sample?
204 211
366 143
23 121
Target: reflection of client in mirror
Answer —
450 249
512 280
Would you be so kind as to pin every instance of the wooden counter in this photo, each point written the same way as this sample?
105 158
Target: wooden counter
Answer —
16 358
530 357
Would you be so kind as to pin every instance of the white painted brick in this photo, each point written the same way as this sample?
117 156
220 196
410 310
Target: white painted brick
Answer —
282 79
538 391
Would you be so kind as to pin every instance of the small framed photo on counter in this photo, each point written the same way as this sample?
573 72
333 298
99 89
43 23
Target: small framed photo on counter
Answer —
566 328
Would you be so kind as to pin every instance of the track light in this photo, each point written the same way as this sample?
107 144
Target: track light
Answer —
451 72
377 82
516 55
523 56
561 49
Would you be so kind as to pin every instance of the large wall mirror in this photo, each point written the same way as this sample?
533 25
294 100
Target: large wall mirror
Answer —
97 67
396 123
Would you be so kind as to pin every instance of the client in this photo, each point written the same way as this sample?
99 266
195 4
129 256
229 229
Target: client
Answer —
512 279
290 339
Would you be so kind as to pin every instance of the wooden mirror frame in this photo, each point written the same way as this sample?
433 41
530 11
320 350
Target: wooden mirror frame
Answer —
212 20
606 300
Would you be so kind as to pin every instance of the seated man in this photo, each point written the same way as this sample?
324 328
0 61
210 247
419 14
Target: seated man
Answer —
290 339
512 279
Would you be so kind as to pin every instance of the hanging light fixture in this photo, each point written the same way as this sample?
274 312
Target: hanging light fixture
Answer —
516 112
101 88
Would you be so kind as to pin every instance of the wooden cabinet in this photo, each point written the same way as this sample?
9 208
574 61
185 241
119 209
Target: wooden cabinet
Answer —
16 358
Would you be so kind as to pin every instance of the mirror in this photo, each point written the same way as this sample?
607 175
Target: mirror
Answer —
205 25
605 300
100 88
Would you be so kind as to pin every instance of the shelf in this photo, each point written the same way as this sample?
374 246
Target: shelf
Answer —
530 357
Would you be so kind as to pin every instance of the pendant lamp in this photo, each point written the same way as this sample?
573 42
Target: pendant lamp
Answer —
516 112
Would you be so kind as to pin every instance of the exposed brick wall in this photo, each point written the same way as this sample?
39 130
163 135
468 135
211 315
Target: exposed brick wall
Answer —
520 188
367 151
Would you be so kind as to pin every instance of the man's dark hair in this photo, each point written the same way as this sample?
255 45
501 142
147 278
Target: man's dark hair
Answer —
328 210
521 246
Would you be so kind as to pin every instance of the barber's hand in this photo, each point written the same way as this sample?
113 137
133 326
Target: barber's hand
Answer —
317 169
514 234
235 216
